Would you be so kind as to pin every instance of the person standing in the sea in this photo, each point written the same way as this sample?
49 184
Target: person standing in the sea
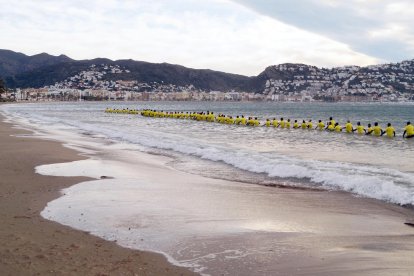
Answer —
360 129
408 131
377 130
390 131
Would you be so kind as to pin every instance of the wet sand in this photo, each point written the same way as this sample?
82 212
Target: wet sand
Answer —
31 245
223 227
291 231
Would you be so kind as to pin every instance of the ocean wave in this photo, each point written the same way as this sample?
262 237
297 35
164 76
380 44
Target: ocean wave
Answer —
365 180
379 183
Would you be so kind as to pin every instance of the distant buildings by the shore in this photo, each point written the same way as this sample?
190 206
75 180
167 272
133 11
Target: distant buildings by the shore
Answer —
44 94
299 83
386 82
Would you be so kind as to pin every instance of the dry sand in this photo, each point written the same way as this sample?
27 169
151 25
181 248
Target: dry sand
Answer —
361 236
31 245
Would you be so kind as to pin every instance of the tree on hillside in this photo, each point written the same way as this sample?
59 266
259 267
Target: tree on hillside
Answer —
2 88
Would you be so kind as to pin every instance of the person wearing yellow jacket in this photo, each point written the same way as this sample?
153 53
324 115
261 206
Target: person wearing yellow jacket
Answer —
287 124
349 127
360 129
408 131
370 129
390 131
296 124
377 130
275 122
320 125
282 123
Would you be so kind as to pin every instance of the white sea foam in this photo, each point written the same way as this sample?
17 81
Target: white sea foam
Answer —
384 184
140 212
366 180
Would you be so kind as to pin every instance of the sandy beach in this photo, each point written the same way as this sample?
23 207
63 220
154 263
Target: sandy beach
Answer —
285 231
31 245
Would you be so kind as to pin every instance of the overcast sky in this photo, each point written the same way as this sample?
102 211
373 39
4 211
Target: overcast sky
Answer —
239 36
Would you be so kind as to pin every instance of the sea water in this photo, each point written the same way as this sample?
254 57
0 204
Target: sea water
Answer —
376 167
140 214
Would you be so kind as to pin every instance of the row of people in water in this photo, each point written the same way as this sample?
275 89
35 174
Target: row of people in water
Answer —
123 111
331 125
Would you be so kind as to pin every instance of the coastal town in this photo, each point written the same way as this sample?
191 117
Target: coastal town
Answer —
387 82
285 83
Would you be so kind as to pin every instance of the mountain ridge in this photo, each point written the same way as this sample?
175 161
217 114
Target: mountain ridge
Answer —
58 68
12 63
275 82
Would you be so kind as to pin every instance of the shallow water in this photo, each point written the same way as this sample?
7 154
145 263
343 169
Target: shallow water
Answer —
376 167
229 228
223 228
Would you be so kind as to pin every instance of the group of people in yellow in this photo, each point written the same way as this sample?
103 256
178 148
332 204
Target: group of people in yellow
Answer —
123 111
331 125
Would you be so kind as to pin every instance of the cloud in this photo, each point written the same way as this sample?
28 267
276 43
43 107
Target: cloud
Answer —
377 28
216 34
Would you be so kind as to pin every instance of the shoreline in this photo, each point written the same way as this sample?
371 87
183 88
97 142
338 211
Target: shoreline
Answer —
32 245
298 232
326 232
